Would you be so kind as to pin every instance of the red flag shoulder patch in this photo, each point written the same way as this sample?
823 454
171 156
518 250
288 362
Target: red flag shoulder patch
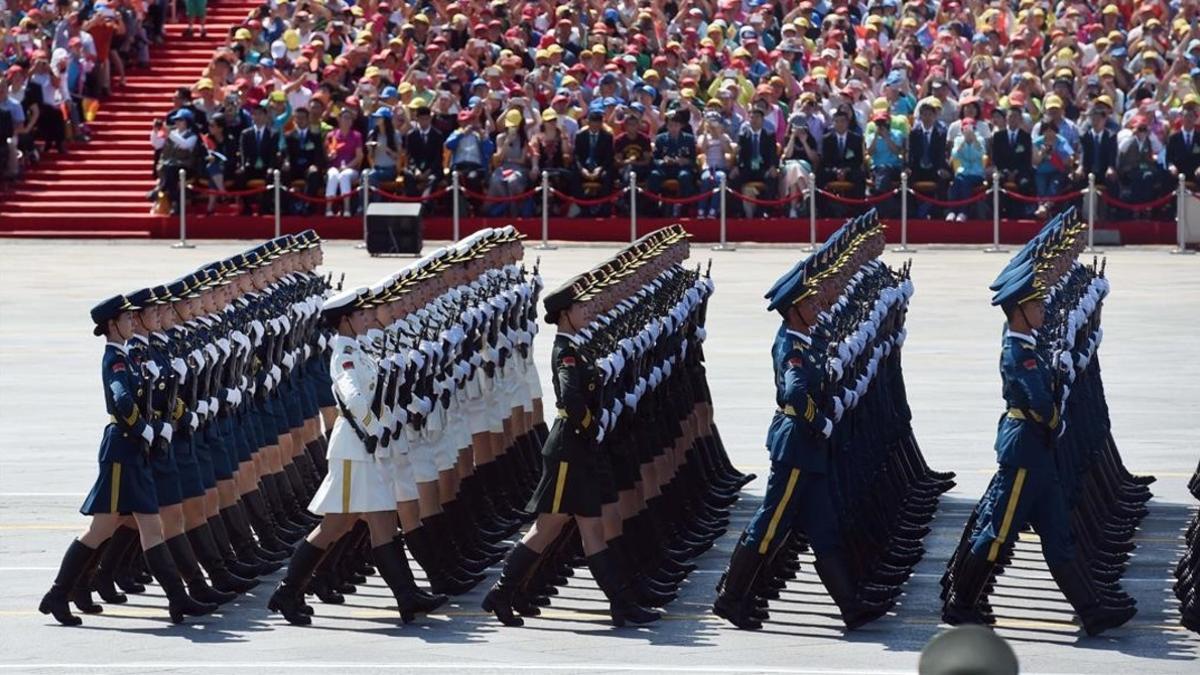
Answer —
348 365
795 362
568 360
118 367
1030 364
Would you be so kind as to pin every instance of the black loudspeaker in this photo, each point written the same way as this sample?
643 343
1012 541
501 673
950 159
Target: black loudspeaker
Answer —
394 229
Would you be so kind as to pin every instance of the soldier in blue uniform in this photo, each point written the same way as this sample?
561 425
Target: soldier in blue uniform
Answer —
799 484
125 485
1029 487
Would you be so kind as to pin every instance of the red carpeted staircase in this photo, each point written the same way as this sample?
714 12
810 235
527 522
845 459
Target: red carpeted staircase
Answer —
100 188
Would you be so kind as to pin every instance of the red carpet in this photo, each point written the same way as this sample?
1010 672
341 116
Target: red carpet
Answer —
99 189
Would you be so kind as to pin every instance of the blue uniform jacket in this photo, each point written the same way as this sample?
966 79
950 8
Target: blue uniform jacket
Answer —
123 393
1027 429
797 434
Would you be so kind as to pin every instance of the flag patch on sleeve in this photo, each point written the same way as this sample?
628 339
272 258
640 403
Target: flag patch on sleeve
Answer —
568 360
1030 364
348 365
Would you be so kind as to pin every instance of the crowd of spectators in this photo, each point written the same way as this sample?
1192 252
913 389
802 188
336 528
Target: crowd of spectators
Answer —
770 96
58 57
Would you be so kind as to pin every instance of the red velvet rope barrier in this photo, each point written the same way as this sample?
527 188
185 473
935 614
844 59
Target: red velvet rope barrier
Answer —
321 200
1038 200
782 201
678 200
1152 204
229 193
501 198
432 196
582 201
874 199
952 203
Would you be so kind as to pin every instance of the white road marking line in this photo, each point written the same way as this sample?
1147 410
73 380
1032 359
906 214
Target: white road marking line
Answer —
467 666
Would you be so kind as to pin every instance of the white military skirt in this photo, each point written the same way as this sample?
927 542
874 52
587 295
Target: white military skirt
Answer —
357 482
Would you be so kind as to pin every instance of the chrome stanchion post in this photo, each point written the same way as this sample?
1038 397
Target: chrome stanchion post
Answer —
454 187
183 242
903 247
278 202
724 245
1091 202
366 201
1181 219
995 247
812 218
545 245
632 207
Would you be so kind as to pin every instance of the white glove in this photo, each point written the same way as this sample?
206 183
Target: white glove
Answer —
838 409
223 345
828 429
214 405
179 366
307 352
166 432
322 341
288 360
197 357
202 408
276 374
211 350
148 433
193 421
233 396
153 369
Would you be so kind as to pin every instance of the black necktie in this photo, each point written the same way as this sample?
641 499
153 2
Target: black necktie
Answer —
1187 139
841 145
1012 139
1096 159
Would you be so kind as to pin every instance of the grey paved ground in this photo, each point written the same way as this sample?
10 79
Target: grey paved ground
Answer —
51 414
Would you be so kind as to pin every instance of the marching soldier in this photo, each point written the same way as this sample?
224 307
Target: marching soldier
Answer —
357 486
1054 467
125 484
847 479
625 435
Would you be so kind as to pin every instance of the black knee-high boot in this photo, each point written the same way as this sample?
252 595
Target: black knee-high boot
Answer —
393 567
288 598
193 576
499 600
55 602
204 543
110 561
179 603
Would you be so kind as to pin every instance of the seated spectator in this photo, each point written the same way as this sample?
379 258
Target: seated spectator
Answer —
178 151
675 159
800 161
716 148
927 154
757 161
220 156
470 150
633 154
345 147
384 147
1012 155
1183 146
259 154
593 156
885 155
510 164
550 154
1138 172
842 157
424 171
967 161
305 160
1099 152
1053 159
